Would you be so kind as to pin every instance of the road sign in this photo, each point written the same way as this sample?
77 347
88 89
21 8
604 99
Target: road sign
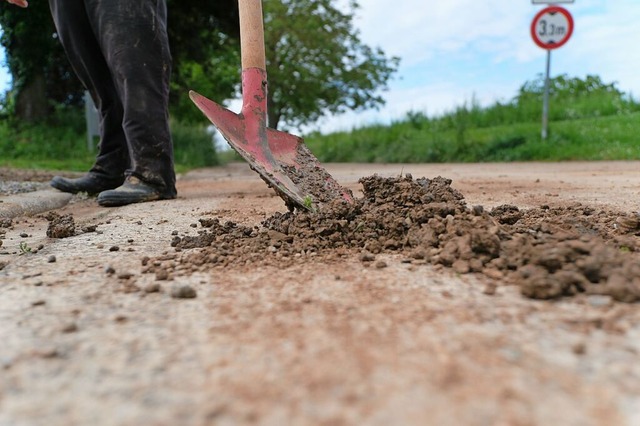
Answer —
552 27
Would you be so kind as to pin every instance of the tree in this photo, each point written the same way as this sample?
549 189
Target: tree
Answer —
202 36
566 87
317 64
316 61
36 61
204 42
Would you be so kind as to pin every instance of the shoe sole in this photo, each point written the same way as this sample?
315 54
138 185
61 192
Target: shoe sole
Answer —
115 200
63 186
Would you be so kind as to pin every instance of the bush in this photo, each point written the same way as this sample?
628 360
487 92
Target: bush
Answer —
60 143
193 146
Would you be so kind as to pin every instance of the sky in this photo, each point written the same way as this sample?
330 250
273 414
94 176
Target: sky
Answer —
453 51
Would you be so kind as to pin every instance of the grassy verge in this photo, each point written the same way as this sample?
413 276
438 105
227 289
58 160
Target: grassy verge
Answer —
613 137
61 144
589 120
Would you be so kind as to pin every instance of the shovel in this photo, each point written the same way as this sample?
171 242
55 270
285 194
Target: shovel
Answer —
281 159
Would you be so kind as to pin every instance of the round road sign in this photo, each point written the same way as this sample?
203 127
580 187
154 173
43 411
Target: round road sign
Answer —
552 27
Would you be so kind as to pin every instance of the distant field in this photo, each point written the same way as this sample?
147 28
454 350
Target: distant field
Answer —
604 138
589 120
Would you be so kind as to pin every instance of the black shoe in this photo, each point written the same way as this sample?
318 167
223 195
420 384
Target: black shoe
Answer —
132 191
90 183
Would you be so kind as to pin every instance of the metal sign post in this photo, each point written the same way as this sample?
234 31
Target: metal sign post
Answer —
551 28
545 99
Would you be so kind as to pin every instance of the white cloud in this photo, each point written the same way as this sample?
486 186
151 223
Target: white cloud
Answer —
491 36
417 30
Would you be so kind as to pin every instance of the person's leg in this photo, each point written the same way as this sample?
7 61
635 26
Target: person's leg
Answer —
83 51
133 39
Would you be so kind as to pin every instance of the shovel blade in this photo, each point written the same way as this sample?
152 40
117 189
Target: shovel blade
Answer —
281 159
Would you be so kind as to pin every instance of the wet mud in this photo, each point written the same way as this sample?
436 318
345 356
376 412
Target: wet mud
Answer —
549 252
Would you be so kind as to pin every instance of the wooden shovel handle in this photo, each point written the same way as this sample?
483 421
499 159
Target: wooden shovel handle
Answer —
251 34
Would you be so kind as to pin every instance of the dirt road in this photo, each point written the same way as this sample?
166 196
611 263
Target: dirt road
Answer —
121 323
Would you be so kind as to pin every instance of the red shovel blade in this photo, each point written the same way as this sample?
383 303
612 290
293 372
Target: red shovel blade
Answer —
281 159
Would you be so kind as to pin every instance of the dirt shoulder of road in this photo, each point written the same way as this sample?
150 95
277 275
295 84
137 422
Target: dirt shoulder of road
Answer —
116 323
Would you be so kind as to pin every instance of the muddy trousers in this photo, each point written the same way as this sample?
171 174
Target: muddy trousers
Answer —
120 52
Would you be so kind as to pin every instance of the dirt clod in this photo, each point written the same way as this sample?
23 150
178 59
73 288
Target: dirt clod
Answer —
70 327
153 288
183 292
60 226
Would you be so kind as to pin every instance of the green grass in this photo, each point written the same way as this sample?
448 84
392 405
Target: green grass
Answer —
589 120
61 144
499 133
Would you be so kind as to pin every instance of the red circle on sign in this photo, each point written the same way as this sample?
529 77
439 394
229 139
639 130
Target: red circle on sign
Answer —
552 10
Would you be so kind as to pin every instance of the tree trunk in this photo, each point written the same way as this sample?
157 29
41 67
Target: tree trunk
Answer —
31 102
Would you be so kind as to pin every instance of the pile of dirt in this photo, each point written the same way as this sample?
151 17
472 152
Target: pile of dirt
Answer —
549 252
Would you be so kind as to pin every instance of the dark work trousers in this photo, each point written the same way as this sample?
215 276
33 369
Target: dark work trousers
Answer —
120 51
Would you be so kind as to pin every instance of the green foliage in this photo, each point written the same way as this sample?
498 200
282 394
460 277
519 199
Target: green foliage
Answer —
217 78
33 51
203 33
590 121
317 64
193 146
60 143
60 138
204 43
24 248
572 98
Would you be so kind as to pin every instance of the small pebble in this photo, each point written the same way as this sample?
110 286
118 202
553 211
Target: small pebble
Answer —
51 259
183 292
125 275
114 248
477 210
367 257
598 301
46 352
71 327
152 288
381 264
490 289
162 275
579 348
